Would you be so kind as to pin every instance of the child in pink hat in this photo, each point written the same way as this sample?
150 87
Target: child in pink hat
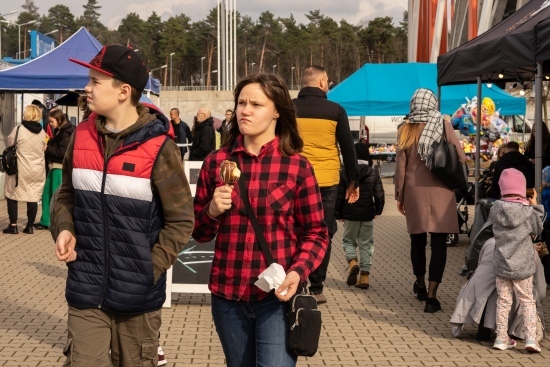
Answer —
515 218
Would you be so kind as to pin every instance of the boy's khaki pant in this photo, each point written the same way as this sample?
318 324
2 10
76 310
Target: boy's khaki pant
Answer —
92 333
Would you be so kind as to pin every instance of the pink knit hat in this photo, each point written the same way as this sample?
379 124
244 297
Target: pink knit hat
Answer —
512 182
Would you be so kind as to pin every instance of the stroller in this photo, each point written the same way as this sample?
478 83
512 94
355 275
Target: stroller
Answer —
466 196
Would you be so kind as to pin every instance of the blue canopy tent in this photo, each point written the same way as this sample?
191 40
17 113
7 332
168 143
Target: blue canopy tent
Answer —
54 73
386 90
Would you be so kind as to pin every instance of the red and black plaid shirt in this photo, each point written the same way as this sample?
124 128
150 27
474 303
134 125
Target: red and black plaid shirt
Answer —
285 197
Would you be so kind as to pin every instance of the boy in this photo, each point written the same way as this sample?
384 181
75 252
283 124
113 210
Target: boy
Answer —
358 216
126 202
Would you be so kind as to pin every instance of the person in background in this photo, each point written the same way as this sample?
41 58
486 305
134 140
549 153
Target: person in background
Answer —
204 140
516 221
530 146
324 127
54 153
182 131
28 183
51 105
358 217
225 124
512 159
427 204
253 325
120 217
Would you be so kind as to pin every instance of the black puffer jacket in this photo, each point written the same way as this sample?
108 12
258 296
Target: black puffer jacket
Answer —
57 146
204 140
512 160
371 196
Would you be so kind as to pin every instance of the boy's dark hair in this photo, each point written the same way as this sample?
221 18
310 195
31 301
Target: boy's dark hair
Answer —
37 103
135 94
512 146
362 151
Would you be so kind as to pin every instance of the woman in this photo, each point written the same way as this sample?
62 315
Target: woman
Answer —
530 147
428 205
252 325
28 183
54 152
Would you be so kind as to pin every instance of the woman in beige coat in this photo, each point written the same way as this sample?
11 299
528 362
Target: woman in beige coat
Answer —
428 205
28 183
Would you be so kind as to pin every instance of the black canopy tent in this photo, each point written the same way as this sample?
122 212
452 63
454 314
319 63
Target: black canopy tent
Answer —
515 50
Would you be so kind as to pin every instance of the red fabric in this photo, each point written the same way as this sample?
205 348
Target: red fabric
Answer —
87 139
285 196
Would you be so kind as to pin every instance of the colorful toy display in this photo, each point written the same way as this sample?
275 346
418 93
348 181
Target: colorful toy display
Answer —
492 126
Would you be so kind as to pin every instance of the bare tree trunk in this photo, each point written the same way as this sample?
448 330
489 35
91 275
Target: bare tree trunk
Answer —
262 54
209 66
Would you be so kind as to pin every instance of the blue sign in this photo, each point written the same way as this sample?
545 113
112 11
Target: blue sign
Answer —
40 44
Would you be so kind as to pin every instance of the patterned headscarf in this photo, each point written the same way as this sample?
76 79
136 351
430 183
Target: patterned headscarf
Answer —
424 110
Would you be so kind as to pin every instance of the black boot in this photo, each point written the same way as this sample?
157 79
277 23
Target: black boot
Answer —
28 229
432 305
11 230
421 293
40 226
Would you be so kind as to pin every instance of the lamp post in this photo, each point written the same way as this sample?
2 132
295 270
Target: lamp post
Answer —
202 71
162 67
4 21
292 77
19 40
54 31
212 72
274 66
172 54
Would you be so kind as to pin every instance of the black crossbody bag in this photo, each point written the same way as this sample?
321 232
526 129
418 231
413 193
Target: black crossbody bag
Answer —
303 316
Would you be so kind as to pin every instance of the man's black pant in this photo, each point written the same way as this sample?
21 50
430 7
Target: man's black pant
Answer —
318 276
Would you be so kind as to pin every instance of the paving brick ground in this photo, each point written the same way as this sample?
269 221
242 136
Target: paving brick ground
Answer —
382 326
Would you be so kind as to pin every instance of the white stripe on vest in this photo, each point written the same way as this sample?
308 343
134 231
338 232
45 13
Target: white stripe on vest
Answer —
118 185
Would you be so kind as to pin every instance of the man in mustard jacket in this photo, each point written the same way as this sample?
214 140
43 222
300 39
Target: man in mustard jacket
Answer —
324 127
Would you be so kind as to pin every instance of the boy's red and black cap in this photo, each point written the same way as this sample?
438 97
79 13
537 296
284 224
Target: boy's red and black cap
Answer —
119 62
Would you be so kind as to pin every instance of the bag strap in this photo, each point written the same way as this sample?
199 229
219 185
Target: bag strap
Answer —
16 135
252 217
15 146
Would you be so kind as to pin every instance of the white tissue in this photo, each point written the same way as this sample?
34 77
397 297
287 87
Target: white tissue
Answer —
271 278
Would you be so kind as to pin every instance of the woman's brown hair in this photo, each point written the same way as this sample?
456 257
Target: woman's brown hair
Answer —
58 116
286 129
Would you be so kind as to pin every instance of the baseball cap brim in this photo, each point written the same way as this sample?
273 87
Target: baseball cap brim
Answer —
85 64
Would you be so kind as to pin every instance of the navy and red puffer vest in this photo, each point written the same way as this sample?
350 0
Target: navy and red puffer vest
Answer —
117 219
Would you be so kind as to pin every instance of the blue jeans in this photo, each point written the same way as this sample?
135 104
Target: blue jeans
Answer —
359 234
253 333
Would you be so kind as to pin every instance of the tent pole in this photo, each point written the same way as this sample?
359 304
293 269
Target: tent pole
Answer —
538 129
439 98
478 140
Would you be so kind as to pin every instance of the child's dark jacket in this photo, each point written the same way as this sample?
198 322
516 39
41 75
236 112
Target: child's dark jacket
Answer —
371 196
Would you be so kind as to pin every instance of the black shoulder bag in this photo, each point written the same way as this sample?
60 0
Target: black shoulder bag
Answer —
446 165
9 159
303 316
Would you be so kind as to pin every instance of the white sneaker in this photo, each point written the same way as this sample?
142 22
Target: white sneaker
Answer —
532 346
162 361
503 345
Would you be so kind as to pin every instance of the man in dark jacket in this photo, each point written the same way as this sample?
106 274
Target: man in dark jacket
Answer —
512 159
324 127
358 217
182 132
204 138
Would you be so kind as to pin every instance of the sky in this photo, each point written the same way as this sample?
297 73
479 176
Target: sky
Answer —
113 11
